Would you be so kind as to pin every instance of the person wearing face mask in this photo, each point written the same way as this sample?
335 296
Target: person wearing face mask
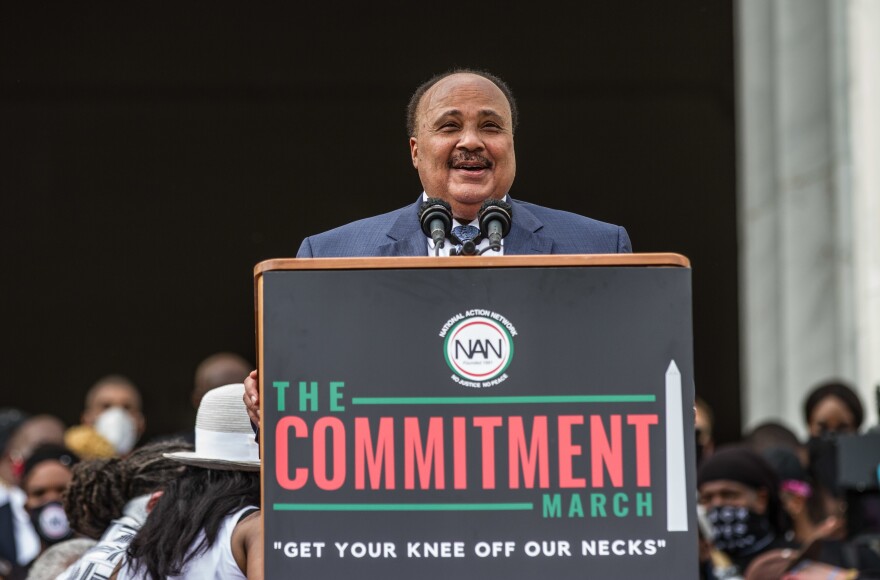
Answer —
47 473
112 420
20 435
739 493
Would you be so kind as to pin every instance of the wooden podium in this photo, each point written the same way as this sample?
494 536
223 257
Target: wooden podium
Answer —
473 417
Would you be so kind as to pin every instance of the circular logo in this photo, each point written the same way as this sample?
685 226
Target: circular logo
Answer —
478 348
53 522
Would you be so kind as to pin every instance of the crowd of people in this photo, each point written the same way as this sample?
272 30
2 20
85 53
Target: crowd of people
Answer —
772 506
92 502
74 502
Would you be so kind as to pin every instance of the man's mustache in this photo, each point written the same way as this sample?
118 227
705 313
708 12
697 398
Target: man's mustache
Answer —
462 159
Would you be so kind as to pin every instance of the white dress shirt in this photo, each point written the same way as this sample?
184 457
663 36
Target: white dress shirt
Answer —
27 542
449 244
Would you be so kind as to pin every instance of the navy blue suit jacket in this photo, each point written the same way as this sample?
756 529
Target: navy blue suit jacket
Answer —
534 230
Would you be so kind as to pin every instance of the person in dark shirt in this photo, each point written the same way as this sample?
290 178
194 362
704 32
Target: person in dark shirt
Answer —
739 492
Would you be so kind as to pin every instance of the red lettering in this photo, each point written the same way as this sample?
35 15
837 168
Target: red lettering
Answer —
603 452
535 457
319 452
567 450
643 447
282 456
365 456
423 458
459 453
488 425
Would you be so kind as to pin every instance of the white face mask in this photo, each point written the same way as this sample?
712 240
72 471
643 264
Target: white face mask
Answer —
117 426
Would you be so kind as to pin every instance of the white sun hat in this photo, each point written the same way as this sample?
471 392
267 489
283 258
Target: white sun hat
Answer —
224 436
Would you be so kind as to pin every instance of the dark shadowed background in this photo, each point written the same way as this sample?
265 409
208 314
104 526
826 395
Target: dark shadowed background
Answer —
149 157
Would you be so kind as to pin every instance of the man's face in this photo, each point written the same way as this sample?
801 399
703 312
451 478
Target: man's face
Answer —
463 146
732 493
114 395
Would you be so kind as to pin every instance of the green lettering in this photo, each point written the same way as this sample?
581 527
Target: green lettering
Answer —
335 395
281 386
308 393
552 505
597 505
575 508
644 504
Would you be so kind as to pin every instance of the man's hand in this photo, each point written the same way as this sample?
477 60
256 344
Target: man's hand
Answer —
252 397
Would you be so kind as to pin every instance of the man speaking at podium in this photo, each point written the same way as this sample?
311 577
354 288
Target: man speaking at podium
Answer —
461 127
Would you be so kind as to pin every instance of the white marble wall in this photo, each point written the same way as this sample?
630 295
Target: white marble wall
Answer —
864 91
800 210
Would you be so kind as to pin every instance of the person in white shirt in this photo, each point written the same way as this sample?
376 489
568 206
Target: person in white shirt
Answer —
207 522
108 500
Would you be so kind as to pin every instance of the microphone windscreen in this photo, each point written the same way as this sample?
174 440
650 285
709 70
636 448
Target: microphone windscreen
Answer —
496 210
432 209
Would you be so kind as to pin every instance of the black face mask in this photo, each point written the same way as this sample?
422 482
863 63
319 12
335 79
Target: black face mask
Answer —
50 523
738 531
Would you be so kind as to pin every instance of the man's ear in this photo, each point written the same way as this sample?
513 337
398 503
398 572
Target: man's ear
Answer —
414 151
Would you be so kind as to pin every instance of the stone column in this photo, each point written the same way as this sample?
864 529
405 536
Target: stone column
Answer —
864 98
803 189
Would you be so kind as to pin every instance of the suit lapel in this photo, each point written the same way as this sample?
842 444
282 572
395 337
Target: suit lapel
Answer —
526 235
405 237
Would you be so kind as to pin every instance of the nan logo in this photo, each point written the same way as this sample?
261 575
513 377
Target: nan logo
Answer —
478 347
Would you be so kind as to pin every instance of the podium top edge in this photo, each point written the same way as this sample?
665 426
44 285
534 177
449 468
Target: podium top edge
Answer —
543 261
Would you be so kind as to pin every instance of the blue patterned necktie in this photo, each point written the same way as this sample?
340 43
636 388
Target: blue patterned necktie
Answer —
465 233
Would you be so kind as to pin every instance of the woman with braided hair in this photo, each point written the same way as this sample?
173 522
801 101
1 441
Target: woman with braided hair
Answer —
108 499
207 523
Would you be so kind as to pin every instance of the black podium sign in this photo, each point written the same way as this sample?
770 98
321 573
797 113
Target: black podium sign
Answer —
477 422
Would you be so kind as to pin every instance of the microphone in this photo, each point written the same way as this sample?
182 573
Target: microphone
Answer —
494 218
468 248
435 217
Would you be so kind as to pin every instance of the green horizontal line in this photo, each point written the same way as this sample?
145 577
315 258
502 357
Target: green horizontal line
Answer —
503 400
401 507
